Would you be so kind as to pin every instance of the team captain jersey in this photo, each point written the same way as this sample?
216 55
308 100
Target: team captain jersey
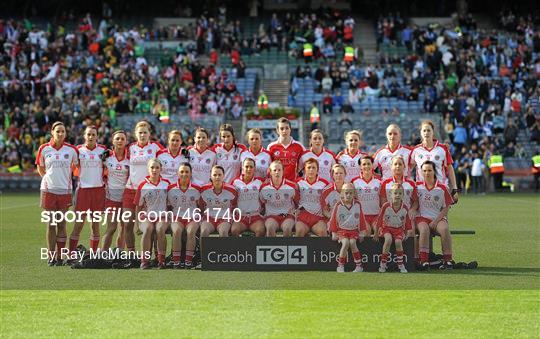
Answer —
288 155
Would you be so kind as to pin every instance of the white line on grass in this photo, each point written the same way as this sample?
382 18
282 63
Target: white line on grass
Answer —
18 206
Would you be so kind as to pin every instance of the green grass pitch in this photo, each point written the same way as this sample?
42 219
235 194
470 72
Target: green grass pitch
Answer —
501 298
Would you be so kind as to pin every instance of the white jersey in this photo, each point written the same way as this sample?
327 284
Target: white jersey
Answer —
152 197
330 196
310 195
279 200
432 201
201 165
394 218
218 204
117 176
383 160
230 160
170 164
326 160
183 202
58 163
350 161
90 166
345 218
439 154
409 188
138 161
368 194
248 195
263 158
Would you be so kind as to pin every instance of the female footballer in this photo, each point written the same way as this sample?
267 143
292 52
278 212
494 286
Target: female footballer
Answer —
383 157
310 187
325 158
228 153
257 152
247 187
351 155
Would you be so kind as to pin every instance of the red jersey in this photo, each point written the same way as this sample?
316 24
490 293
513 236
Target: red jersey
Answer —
288 155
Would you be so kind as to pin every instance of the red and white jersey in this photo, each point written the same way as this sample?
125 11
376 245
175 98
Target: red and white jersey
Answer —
183 201
262 161
310 194
138 161
152 197
432 201
248 195
326 160
170 164
91 166
439 154
218 204
330 196
394 218
288 155
383 160
230 160
347 218
201 165
281 199
367 193
409 188
350 161
58 163
117 176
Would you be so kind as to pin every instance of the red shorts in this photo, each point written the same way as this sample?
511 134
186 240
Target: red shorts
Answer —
217 221
308 218
113 204
397 233
370 219
92 199
249 220
280 218
348 234
428 221
55 202
128 199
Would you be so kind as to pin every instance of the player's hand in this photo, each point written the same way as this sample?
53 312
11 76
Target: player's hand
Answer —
107 153
455 197
376 237
334 236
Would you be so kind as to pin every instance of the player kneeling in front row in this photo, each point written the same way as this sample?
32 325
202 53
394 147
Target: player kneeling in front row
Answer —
248 186
347 225
392 223
218 200
151 199
434 203
183 196
310 216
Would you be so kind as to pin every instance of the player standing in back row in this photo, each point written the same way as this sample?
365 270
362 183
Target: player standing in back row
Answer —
286 149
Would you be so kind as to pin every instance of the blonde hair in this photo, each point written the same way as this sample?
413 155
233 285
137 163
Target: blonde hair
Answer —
356 132
275 162
391 126
254 130
398 157
336 166
153 162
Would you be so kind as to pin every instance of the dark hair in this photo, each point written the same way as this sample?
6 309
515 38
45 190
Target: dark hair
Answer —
230 129
429 162
219 167
186 164
58 123
369 157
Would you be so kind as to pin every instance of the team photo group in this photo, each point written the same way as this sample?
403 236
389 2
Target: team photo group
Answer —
230 188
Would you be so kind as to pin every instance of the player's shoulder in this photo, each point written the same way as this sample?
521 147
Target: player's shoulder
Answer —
324 181
229 188
207 186
157 144
172 186
409 181
330 152
289 183
103 147
355 179
71 147
162 151
241 147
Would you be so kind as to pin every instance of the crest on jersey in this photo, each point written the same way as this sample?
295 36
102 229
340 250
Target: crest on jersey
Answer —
219 155
437 157
277 153
376 189
149 151
208 161
235 157
356 215
66 156
263 162
420 156
192 198
126 166
286 195
326 162
246 189
436 198
401 218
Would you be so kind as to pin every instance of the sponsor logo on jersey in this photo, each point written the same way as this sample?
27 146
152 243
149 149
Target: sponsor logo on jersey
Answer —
263 162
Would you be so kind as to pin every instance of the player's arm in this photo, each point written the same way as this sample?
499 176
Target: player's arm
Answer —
452 181
41 170
443 213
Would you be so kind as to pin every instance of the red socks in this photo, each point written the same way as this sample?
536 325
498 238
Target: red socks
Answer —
399 258
94 242
342 261
357 258
424 256
384 258
189 257
447 257
60 244
161 257
176 257
73 242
